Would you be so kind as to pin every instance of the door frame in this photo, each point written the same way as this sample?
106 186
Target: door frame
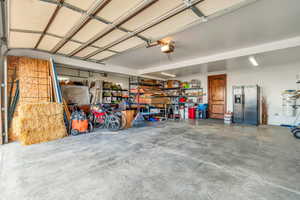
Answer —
208 91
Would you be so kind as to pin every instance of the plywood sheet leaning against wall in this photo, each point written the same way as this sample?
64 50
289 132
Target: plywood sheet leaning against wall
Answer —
40 122
34 84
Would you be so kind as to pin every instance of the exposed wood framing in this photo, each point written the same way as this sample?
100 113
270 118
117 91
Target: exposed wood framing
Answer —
172 14
118 24
50 22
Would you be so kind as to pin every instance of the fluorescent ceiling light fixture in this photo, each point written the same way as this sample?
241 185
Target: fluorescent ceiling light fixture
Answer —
253 61
166 74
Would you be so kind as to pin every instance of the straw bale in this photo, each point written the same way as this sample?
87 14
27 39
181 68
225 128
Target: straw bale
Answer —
13 131
33 76
40 109
40 122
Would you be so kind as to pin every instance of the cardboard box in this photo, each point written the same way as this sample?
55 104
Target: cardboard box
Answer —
157 100
173 84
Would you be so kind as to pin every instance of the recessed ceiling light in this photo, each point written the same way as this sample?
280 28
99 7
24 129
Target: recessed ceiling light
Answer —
253 61
166 74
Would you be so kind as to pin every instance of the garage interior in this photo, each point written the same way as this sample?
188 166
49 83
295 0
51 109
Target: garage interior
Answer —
150 99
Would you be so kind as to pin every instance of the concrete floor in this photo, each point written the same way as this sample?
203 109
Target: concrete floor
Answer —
173 160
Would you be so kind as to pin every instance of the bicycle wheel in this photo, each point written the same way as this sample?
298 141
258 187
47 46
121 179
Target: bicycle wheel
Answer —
123 120
113 122
297 133
100 122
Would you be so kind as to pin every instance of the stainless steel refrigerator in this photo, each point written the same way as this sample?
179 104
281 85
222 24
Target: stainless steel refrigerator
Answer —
246 104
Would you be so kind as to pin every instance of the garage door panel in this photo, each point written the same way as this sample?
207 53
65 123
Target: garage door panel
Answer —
154 11
69 47
127 44
83 4
30 15
116 8
86 51
23 40
64 21
171 25
48 43
213 6
109 38
90 30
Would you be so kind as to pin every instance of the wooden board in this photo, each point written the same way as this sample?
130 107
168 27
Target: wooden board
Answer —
66 109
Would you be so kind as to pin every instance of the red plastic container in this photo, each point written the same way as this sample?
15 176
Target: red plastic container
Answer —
192 113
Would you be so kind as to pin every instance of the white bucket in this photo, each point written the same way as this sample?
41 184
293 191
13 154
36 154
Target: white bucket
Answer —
181 110
186 114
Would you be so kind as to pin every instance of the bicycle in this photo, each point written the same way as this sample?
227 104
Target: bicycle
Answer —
103 117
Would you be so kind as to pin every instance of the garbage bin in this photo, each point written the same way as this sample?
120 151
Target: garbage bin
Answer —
203 111
192 113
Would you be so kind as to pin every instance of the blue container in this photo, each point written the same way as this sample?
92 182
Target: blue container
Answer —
203 108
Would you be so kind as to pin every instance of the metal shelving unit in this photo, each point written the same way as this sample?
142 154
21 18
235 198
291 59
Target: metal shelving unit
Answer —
175 105
114 99
136 81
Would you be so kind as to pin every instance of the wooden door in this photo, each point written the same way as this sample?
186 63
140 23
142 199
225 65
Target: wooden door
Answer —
217 96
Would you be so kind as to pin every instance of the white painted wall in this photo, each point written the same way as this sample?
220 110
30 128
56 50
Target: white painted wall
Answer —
79 75
272 80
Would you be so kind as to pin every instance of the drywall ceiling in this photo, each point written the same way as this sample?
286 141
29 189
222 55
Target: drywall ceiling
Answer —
84 29
269 59
260 22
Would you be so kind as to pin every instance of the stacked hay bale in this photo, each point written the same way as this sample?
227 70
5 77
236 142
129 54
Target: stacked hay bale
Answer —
35 119
40 122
